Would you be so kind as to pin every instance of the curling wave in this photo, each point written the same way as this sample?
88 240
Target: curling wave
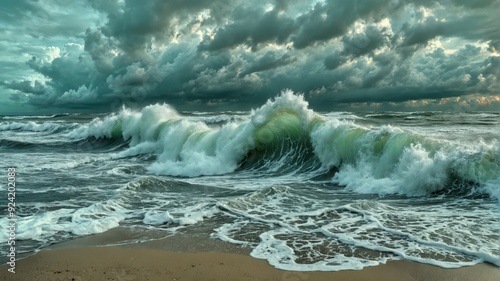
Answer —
285 136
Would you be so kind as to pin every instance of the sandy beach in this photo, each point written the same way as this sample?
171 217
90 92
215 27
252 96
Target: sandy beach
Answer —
127 264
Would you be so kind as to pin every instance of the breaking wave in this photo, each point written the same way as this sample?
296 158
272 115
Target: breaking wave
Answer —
285 136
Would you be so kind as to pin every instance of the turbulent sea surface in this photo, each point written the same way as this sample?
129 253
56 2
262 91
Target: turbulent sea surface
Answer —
304 190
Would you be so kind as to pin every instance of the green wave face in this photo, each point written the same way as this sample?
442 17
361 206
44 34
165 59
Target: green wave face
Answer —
282 145
283 126
116 131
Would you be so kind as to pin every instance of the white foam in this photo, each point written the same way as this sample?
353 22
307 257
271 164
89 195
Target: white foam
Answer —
390 160
98 128
30 126
189 216
341 238
28 117
415 173
96 218
281 256
69 161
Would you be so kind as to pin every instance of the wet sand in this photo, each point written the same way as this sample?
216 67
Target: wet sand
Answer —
141 264
140 254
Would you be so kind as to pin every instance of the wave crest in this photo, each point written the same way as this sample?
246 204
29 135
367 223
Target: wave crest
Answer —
285 136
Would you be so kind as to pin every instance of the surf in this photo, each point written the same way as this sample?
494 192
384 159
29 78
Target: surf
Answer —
284 135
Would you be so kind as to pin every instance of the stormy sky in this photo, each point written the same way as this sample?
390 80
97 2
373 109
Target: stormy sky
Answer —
95 55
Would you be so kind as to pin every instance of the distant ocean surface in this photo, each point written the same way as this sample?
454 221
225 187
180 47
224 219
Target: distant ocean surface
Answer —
304 190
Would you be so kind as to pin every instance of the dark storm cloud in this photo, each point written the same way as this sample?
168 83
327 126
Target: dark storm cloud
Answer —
26 87
44 19
100 49
65 73
241 53
135 23
251 26
332 19
474 27
267 62
366 42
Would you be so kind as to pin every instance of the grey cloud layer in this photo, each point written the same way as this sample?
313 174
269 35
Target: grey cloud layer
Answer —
239 53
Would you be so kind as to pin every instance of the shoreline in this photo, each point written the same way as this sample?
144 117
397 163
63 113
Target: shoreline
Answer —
129 254
125 263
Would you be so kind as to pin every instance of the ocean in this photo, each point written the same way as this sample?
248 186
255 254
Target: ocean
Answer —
304 190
